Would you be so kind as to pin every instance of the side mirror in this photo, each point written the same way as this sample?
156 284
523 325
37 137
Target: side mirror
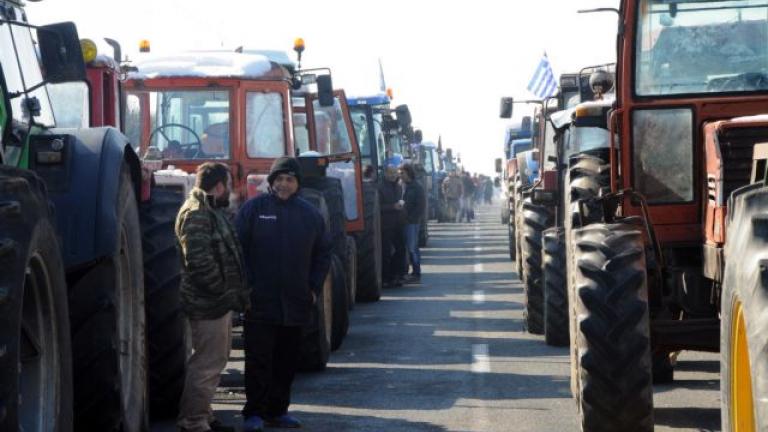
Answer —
403 116
325 90
60 53
506 107
498 165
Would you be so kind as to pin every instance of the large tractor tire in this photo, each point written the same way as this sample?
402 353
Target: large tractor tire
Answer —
351 260
316 336
535 219
333 193
613 338
167 338
743 335
369 248
511 242
35 353
340 317
587 177
107 317
555 294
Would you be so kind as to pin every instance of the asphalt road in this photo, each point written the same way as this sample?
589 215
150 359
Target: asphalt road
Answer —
450 355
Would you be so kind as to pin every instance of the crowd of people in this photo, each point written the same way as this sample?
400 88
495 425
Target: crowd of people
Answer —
462 192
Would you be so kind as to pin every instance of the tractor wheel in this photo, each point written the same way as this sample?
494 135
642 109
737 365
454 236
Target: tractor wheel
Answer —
588 176
613 338
316 336
369 248
106 305
511 242
535 219
167 338
35 358
340 325
423 234
333 193
555 294
317 200
743 336
351 274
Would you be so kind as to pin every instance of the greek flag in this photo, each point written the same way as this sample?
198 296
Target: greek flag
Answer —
543 83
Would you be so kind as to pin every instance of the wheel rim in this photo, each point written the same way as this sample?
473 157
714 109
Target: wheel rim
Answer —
39 366
127 336
742 405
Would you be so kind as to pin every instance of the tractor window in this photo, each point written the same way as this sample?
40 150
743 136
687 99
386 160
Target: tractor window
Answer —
695 46
70 104
346 172
663 154
265 135
133 120
184 124
588 138
300 132
330 129
22 70
428 161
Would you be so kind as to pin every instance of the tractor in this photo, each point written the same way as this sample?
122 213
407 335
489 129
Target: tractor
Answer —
669 256
72 338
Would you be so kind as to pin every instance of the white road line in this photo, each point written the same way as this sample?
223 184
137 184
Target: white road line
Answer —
478 249
478 297
481 361
478 267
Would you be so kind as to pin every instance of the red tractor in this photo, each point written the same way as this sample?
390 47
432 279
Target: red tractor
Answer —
672 258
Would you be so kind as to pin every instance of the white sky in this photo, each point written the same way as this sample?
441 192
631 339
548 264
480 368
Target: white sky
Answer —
450 61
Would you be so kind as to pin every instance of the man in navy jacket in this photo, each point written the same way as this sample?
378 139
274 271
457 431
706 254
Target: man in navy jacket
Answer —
287 255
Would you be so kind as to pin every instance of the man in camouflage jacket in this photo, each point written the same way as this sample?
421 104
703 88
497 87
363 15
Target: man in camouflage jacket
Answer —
213 283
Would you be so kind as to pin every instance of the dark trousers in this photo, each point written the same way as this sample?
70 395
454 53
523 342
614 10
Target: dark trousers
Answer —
271 358
393 264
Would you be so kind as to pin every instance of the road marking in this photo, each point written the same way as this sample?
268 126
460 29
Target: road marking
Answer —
478 297
478 249
481 361
479 268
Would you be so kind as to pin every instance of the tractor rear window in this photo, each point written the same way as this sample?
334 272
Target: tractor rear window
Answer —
265 135
698 46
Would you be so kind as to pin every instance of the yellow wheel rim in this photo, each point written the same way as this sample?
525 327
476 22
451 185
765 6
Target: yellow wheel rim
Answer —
742 406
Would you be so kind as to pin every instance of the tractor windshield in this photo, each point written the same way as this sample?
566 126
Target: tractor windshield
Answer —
183 124
699 46
331 129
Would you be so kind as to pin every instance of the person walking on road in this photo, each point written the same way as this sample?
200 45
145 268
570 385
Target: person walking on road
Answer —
453 189
213 283
392 229
467 198
414 203
287 253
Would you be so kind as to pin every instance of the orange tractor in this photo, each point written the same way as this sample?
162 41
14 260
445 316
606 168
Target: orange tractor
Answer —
673 258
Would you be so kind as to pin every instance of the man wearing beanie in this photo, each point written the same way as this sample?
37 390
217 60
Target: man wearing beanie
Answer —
287 254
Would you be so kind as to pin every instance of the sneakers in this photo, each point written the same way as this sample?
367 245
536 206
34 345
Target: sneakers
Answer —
412 279
285 421
253 424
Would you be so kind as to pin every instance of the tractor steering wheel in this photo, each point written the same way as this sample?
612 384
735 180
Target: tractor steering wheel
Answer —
160 129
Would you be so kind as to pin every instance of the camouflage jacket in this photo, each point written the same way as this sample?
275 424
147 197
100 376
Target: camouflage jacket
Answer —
213 279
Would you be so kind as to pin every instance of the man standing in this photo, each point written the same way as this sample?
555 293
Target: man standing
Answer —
392 229
453 189
287 254
415 203
467 198
213 283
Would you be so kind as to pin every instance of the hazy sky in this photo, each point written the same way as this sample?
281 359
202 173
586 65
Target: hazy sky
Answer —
450 61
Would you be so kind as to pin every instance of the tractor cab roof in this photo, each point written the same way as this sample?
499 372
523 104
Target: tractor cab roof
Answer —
211 64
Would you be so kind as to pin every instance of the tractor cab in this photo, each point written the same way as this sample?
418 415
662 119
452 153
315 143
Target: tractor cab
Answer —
230 107
367 117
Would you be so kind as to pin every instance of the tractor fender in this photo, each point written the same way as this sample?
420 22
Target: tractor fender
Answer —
84 188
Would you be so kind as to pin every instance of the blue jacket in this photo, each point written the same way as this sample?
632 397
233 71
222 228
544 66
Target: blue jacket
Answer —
287 254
